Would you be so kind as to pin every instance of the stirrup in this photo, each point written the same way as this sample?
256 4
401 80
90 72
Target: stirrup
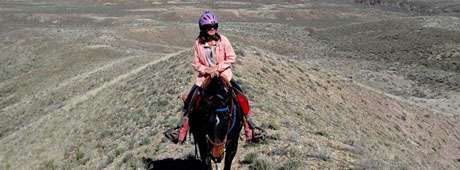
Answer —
258 135
172 134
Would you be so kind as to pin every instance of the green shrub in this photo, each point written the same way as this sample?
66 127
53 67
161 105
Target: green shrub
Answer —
79 155
249 158
144 141
107 160
291 165
127 157
119 150
273 124
48 165
260 164
319 153
7 166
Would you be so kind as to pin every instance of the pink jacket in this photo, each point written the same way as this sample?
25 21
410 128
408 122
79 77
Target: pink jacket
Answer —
225 57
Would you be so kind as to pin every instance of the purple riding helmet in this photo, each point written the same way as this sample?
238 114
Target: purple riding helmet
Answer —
207 18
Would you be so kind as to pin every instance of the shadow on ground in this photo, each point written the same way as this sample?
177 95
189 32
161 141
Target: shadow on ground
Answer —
171 164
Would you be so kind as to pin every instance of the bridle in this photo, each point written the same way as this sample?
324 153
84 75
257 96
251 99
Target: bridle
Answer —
218 148
230 124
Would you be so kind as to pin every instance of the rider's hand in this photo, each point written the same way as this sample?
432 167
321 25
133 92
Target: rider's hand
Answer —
211 70
215 74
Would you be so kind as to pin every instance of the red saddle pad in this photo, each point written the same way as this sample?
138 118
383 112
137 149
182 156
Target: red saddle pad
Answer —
243 101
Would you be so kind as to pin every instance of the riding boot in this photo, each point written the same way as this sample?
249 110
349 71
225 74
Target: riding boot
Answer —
179 133
183 130
253 133
248 128
184 126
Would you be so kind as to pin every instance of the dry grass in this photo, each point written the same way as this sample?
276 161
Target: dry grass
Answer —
93 90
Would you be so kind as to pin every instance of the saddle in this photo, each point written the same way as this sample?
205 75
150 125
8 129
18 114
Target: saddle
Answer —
258 134
238 96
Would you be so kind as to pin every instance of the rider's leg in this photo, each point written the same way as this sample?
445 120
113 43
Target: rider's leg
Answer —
248 124
253 133
184 126
189 98
182 135
248 129
236 85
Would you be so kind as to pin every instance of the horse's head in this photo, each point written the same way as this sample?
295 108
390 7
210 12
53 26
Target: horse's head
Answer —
218 107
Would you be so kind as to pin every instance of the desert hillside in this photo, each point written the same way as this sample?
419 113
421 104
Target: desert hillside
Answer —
337 84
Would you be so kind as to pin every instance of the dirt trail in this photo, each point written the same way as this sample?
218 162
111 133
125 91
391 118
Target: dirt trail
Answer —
76 100
72 80
92 85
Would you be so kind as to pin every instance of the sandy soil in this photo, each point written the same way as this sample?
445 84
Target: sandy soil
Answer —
359 84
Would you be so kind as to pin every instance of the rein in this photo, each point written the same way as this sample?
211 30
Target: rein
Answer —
218 148
231 124
233 110
217 144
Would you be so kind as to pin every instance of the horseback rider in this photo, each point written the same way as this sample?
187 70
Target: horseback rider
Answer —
213 55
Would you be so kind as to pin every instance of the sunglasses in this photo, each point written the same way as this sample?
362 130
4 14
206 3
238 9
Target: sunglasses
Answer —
209 26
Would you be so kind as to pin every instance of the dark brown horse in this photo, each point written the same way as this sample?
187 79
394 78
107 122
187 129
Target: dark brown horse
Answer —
215 122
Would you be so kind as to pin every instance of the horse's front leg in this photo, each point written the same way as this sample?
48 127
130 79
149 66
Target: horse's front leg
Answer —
205 159
204 151
206 162
230 154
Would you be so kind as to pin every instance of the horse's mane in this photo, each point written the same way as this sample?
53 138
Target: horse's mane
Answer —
208 84
210 79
